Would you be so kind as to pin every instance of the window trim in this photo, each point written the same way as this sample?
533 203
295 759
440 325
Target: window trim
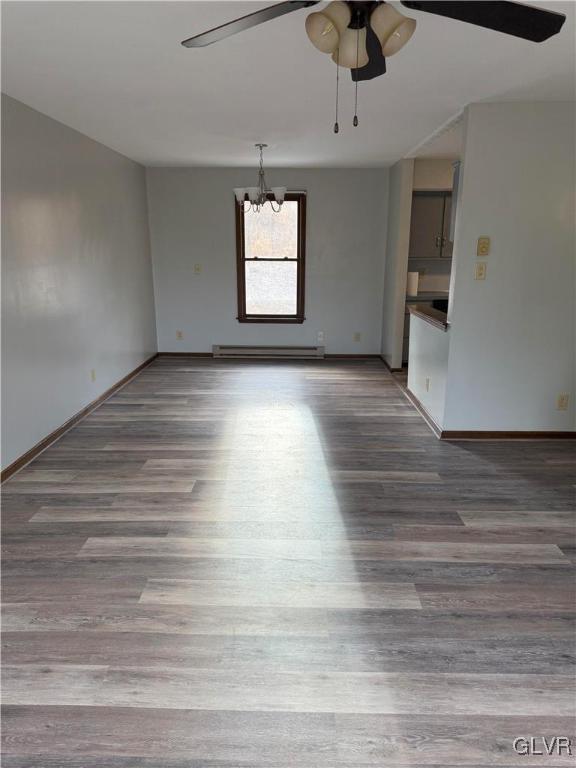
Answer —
300 198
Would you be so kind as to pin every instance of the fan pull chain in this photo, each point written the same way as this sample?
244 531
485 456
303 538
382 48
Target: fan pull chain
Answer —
336 126
355 121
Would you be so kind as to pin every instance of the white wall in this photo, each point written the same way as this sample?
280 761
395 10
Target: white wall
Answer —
428 359
396 267
192 222
512 336
432 175
76 274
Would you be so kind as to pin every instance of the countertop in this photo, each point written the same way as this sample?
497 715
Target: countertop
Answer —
429 315
428 296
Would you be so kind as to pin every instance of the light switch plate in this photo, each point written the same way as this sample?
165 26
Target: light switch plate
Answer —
480 271
483 246
197 269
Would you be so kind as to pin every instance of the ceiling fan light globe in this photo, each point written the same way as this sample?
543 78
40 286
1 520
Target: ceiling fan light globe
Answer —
351 52
399 37
392 28
384 19
322 32
339 14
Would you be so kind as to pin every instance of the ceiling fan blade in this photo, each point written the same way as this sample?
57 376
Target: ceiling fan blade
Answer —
245 22
376 62
516 19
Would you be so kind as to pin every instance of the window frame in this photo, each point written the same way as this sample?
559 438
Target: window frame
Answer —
243 317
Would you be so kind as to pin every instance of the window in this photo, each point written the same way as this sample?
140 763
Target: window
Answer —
270 262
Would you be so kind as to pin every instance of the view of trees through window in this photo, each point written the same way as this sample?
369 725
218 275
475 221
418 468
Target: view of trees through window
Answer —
271 286
270 259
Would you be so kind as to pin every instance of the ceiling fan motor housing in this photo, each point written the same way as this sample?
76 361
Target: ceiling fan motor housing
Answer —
360 12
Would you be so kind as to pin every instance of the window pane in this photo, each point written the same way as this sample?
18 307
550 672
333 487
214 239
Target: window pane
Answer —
269 235
271 288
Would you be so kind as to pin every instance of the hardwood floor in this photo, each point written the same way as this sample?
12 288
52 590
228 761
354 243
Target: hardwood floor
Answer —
277 565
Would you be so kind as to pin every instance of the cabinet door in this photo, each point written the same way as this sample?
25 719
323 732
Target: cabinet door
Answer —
446 243
426 226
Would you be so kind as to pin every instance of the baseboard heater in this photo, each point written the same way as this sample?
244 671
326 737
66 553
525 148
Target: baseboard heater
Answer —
271 353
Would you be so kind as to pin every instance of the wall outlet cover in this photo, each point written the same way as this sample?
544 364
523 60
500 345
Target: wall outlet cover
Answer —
357 336
197 269
179 335
480 271
92 374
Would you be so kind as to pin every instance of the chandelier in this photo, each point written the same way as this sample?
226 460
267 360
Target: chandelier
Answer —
258 196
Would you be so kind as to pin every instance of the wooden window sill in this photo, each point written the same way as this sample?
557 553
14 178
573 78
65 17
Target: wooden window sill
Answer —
270 319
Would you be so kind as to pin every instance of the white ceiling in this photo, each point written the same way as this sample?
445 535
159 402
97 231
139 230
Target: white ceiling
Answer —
116 71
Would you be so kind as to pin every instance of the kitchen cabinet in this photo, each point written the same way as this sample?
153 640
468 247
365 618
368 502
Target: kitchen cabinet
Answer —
430 225
446 246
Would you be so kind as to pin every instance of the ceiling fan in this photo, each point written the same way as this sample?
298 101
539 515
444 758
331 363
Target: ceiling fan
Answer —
360 35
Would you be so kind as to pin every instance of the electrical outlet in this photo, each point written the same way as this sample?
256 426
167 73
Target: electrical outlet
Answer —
562 401
93 374
427 384
480 271
179 335
357 336
320 337
197 269
483 246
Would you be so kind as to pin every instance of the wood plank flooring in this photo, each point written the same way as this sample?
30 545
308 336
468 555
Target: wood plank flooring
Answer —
277 565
